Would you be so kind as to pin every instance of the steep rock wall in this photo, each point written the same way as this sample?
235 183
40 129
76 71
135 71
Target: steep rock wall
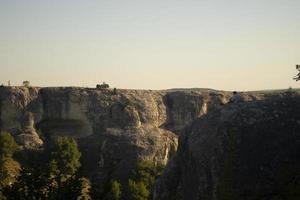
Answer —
113 128
246 150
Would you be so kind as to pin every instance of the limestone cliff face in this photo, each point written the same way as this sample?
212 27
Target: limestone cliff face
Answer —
184 107
226 150
245 150
113 128
19 108
242 150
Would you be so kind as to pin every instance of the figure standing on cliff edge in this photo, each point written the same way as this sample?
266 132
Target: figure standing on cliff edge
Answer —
297 77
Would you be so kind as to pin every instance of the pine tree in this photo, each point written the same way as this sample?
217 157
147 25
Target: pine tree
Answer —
74 188
115 192
9 168
147 173
64 163
64 158
8 146
138 190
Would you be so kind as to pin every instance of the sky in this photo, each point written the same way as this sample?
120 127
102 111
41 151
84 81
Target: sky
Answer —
158 44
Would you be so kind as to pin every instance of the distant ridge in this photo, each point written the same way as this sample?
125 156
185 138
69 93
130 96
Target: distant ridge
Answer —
192 89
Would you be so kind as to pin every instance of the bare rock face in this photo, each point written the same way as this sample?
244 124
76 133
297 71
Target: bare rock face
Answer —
185 107
114 129
13 102
245 150
19 108
101 120
28 137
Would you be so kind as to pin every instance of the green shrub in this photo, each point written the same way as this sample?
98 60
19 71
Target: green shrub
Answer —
26 83
138 190
143 179
8 146
102 86
115 192
64 157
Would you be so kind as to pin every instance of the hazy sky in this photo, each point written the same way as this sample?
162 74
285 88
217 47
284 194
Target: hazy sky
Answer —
154 44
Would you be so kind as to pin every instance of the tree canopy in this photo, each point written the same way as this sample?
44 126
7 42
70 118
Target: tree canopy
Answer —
143 179
138 190
102 86
53 173
9 168
26 83
64 156
115 192
8 146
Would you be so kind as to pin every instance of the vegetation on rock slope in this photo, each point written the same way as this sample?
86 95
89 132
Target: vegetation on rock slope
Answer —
54 173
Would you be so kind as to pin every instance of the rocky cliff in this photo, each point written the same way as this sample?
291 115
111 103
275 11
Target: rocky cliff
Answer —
244 150
113 128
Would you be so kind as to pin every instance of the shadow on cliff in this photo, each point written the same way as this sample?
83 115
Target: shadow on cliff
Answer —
183 108
246 150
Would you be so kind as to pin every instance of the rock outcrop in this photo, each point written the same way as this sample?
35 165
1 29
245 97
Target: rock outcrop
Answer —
245 150
226 150
114 128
